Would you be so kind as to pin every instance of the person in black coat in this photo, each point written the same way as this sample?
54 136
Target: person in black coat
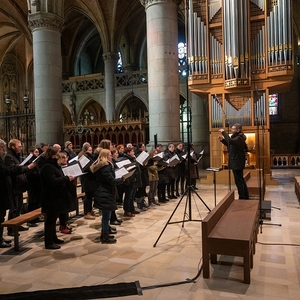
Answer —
171 172
19 182
180 168
131 184
88 182
106 192
236 156
57 195
6 190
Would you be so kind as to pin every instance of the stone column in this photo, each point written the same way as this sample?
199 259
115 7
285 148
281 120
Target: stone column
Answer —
163 78
46 31
110 60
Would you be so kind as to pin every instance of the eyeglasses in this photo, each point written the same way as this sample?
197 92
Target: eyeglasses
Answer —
64 157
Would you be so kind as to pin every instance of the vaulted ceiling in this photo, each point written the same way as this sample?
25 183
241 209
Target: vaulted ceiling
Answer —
104 25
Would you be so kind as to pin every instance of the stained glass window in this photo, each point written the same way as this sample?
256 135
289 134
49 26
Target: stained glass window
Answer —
273 105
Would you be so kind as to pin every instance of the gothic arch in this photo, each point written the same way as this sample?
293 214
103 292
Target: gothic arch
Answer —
91 112
131 106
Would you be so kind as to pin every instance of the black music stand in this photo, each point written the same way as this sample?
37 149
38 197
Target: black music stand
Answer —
215 170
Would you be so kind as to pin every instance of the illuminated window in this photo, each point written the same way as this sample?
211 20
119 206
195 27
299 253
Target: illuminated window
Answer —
273 105
120 63
182 59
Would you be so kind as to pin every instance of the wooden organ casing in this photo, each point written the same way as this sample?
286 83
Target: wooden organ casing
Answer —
239 53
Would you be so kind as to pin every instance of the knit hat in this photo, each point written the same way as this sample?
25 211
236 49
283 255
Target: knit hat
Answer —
67 143
128 149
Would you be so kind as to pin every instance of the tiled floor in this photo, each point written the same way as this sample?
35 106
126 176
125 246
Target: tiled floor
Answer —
84 261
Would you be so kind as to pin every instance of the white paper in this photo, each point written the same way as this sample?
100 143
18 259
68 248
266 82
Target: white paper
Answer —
122 163
73 159
26 160
38 157
161 155
84 161
184 156
142 157
130 167
121 172
72 170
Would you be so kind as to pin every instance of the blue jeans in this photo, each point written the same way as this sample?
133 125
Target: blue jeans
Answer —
105 221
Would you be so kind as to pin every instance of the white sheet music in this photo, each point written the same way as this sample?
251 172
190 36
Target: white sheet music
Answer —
121 172
73 170
84 161
122 163
73 159
26 160
142 157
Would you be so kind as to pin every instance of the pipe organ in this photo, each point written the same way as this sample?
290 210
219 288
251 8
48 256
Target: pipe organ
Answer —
239 52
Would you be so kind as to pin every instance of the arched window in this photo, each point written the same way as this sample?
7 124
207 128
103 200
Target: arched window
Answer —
182 59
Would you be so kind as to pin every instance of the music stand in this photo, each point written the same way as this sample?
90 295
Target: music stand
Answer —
215 170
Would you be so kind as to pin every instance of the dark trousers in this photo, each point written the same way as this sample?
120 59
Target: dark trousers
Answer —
171 186
152 190
50 228
87 202
2 217
113 216
180 180
161 191
105 221
129 198
240 184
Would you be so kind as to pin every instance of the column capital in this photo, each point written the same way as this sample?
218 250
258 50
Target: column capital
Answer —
45 20
147 3
110 56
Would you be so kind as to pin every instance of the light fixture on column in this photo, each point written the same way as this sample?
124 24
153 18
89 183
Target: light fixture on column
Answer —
26 105
8 103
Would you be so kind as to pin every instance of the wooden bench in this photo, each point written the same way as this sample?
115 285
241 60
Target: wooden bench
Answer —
231 228
16 222
252 182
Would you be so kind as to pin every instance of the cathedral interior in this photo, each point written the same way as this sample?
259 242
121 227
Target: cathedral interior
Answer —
177 70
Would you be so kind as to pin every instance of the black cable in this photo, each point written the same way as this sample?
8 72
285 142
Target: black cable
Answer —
150 287
274 244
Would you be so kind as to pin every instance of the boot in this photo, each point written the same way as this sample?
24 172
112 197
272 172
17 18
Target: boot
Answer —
106 239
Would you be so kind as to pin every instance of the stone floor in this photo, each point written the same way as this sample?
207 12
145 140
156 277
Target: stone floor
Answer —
84 261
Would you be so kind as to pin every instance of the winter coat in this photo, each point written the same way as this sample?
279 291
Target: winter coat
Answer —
6 190
180 168
106 192
135 180
236 149
193 166
170 171
58 193
19 182
144 172
88 181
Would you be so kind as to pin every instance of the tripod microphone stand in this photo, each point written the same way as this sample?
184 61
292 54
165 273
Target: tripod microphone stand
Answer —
189 188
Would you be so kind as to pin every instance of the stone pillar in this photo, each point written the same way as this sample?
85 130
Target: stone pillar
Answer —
46 31
200 131
110 60
163 78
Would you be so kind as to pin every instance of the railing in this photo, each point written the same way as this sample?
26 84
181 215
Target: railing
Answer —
94 81
285 160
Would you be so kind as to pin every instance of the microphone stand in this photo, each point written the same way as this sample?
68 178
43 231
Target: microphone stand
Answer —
261 178
189 188
226 125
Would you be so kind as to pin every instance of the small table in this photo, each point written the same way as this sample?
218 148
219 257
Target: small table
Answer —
214 181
